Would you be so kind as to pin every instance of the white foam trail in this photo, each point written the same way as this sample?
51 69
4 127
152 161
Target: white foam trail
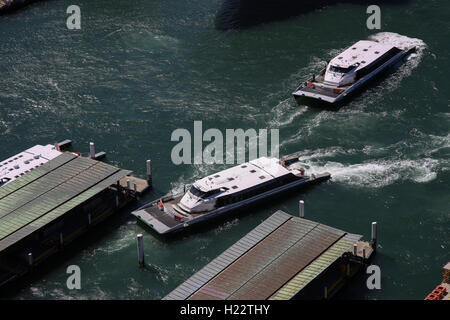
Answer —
402 42
123 238
372 173
308 127
398 40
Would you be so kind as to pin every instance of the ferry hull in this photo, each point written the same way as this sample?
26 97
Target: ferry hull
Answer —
161 222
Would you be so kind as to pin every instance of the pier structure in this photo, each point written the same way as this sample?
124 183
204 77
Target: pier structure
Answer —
49 207
283 258
442 291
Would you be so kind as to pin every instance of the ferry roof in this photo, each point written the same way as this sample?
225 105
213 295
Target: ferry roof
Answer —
18 165
244 175
276 260
363 52
50 191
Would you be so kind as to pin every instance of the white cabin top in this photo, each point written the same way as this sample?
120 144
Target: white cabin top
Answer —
20 164
243 176
363 52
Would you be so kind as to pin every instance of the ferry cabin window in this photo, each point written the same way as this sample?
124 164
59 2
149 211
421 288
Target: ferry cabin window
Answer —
202 194
248 193
196 192
3 181
341 70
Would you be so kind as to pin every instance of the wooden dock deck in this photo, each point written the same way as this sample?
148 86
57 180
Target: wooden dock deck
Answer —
137 185
276 260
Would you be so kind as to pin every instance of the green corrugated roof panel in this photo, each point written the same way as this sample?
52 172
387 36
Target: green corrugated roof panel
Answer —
263 284
61 210
80 199
212 269
267 252
276 266
304 277
35 174
47 201
40 200
39 188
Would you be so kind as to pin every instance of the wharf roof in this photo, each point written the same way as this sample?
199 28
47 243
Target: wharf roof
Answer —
276 260
50 191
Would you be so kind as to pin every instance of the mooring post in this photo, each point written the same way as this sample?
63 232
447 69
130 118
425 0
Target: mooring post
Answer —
30 259
374 235
302 209
355 249
92 150
140 246
128 184
135 191
149 172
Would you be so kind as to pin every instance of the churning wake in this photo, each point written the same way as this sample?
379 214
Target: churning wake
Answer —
413 159
425 158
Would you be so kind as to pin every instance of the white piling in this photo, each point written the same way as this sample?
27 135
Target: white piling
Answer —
140 246
30 259
149 172
355 249
302 209
374 232
92 150
128 184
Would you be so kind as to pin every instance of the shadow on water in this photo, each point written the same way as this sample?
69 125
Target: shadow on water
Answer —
236 14
11 6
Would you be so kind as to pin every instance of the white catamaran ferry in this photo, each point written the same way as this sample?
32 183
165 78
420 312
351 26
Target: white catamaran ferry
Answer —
350 70
24 162
225 191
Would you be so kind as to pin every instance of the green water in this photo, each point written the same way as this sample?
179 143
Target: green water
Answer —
137 70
